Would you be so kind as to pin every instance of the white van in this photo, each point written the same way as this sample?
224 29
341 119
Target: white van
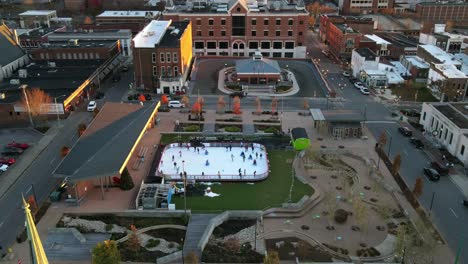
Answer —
175 104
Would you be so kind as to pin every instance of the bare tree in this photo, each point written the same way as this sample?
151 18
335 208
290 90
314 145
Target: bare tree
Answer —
191 258
236 106
382 139
185 101
258 106
418 187
221 104
305 104
36 101
274 104
64 151
81 129
396 164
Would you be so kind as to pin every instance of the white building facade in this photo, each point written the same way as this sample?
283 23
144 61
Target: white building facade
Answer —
447 124
363 59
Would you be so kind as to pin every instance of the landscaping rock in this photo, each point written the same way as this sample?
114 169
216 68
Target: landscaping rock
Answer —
294 244
279 244
93 226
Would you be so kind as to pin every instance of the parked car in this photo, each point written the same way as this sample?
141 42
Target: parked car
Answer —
417 142
238 94
346 74
91 106
12 151
353 80
3 167
18 145
406 131
175 104
7 161
364 91
116 78
431 174
125 68
99 95
440 168
359 85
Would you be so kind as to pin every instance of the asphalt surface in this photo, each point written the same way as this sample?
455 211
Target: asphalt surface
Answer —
204 78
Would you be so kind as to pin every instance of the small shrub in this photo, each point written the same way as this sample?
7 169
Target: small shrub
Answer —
126 181
232 129
341 216
42 129
192 128
271 130
109 227
153 243
171 245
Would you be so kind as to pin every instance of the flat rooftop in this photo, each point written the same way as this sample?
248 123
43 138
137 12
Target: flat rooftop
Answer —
450 71
345 28
55 81
140 14
38 32
38 13
439 54
399 39
366 53
455 112
444 3
81 44
157 33
218 7
111 33
418 62
377 39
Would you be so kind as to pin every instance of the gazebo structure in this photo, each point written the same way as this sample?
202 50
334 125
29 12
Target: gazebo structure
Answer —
258 70
299 138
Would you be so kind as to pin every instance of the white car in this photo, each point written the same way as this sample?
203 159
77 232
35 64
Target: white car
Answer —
175 104
91 106
359 85
364 90
3 167
346 74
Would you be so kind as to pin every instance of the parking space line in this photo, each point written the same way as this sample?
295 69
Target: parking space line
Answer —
52 161
453 212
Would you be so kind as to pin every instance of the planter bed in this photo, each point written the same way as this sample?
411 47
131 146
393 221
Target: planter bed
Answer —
267 128
189 127
231 128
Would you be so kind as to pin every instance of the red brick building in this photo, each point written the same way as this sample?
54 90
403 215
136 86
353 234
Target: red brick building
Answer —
364 6
441 12
114 20
238 28
162 53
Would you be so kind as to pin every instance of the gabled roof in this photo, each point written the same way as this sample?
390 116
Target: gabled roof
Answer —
9 49
298 132
257 66
106 144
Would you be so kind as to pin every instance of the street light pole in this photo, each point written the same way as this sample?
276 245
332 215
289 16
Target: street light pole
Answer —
23 87
56 108
185 188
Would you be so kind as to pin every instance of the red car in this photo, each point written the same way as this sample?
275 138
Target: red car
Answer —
7 161
18 145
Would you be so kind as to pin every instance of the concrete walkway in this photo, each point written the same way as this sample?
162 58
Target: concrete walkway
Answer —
195 229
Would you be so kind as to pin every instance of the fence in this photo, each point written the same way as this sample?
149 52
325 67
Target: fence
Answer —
214 177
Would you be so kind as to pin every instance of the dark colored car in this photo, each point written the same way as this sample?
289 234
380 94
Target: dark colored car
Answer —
116 78
7 161
440 168
405 131
125 68
353 80
12 151
417 142
465 202
239 94
431 174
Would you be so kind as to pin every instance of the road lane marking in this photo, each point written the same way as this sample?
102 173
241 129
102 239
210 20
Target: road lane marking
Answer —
52 161
404 152
453 212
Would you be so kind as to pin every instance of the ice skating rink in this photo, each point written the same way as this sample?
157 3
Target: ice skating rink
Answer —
214 163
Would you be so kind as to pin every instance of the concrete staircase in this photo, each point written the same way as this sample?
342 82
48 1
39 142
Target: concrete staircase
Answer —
248 128
195 229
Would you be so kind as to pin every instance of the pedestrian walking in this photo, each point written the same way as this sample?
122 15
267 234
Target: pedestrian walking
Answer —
230 147
175 165
252 147
232 157
250 157
255 162
172 157
244 171
240 170
255 173
227 148
198 150
256 155
261 155
178 170
180 154
243 158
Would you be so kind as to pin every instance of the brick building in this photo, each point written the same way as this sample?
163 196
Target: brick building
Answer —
239 28
114 20
364 6
443 11
341 39
34 38
162 53
401 44
364 25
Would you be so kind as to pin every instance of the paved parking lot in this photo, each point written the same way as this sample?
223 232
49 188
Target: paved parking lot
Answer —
22 135
204 78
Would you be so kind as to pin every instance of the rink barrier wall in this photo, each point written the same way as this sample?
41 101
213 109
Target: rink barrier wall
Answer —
232 177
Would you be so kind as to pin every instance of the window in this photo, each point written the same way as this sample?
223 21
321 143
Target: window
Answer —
223 45
462 151
265 33
211 45
210 21
300 33
168 57
265 45
277 45
163 71
301 22
238 9
223 22
153 57
198 33
299 43
169 71
276 54
238 25
424 115
278 21
254 22
265 22
289 33
254 33
198 21
266 54
432 121
290 22
199 45
175 57
253 45
176 71
161 57
446 133
75 57
288 54
211 33
155 71
223 33
451 138
278 33
91 55
289 45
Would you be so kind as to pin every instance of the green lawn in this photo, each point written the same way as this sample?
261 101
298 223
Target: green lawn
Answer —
408 93
241 196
